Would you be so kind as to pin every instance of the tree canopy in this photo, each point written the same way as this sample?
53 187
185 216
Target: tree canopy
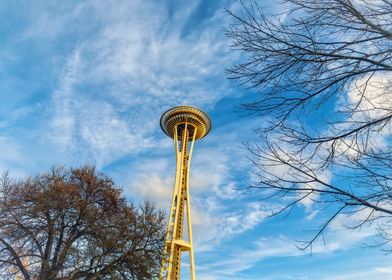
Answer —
74 224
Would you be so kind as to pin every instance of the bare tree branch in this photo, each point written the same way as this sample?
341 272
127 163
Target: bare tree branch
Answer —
322 72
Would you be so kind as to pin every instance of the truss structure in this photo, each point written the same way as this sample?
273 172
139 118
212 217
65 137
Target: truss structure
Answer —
185 124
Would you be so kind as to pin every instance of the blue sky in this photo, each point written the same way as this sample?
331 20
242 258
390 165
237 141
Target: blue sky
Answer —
86 82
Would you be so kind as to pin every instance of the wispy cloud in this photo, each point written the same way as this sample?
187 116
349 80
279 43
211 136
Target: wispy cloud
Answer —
64 103
337 239
116 82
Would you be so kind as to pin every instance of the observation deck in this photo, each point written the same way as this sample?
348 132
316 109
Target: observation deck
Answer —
185 115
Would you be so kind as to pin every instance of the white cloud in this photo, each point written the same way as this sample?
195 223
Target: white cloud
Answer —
12 158
156 189
243 260
273 169
368 99
308 202
218 221
371 95
155 185
337 238
341 225
64 103
384 269
379 273
20 113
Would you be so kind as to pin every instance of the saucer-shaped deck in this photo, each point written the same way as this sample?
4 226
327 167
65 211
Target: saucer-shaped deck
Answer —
189 115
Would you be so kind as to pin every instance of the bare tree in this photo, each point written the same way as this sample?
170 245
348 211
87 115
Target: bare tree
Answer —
322 72
74 224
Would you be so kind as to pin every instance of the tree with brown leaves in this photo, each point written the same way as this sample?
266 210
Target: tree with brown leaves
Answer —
74 224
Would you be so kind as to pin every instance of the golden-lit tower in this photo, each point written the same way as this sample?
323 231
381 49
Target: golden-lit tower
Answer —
184 124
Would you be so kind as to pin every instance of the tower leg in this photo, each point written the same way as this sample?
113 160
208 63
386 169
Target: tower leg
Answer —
175 243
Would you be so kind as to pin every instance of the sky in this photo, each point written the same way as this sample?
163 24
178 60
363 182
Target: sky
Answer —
85 82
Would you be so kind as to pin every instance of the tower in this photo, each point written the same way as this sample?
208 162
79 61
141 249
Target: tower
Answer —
184 124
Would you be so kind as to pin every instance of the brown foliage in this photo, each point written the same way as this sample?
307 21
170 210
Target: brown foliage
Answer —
74 224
